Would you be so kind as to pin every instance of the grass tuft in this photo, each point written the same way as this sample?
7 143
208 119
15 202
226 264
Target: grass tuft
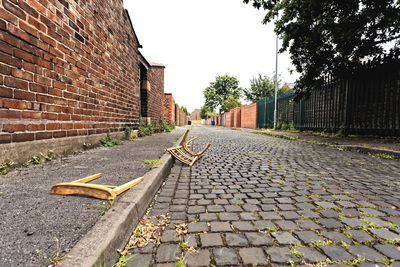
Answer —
154 162
106 206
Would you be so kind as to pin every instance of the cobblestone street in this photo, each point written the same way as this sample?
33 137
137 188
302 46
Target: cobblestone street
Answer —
258 200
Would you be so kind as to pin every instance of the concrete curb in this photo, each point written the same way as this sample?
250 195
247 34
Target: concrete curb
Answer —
99 246
353 148
370 150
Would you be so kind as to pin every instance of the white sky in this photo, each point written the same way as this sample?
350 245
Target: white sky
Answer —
198 40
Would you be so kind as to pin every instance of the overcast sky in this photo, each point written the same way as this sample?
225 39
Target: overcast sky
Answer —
198 40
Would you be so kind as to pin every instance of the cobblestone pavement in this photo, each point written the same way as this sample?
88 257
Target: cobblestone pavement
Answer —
258 200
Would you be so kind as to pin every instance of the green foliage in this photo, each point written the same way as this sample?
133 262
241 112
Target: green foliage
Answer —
181 262
49 156
106 206
164 126
290 262
282 125
152 128
128 132
206 112
108 141
185 110
57 257
145 130
36 160
333 37
295 252
223 94
230 103
123 260
6 166
154 162
384 156
260 87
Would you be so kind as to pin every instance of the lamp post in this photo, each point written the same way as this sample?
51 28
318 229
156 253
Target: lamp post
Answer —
276 84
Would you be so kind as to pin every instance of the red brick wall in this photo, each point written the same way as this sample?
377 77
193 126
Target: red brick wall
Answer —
66 69
249 116
237 118
195 116
169 108
177 114
180 116
232 121
156 93
229 119
183 120
216 120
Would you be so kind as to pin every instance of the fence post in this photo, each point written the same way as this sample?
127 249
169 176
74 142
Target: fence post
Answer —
346 109
301 114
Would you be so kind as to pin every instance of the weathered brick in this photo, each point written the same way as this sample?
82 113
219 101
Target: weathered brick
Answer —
60 134
43 135
6 92
11 128
3 25
5 138
9 60
14 9
13 104
24 95
31 115
23 137
15 83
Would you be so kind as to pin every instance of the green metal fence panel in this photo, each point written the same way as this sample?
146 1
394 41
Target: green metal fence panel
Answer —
270 106
261 113
266 107
368 103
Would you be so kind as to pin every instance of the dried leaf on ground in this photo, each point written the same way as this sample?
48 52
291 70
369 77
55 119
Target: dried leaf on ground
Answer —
148 230
181 229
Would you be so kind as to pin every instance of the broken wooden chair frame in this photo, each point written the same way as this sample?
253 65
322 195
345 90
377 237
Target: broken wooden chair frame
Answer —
80 187
184 154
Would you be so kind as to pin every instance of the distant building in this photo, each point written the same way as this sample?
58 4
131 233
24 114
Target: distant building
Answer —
195 116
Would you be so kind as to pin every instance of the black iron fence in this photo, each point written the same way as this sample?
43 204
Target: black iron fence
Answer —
367 103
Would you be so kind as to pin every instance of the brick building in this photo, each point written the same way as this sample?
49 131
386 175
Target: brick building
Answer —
69 73
169 108
195 115
151 91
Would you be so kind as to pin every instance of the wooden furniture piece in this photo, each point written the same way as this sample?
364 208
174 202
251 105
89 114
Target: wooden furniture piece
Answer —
186 147
80 187
184 154
179 153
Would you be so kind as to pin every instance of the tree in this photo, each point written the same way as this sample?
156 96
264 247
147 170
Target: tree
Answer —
185 110
222 93
206 112
230 103
263 86
333 37
260 87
